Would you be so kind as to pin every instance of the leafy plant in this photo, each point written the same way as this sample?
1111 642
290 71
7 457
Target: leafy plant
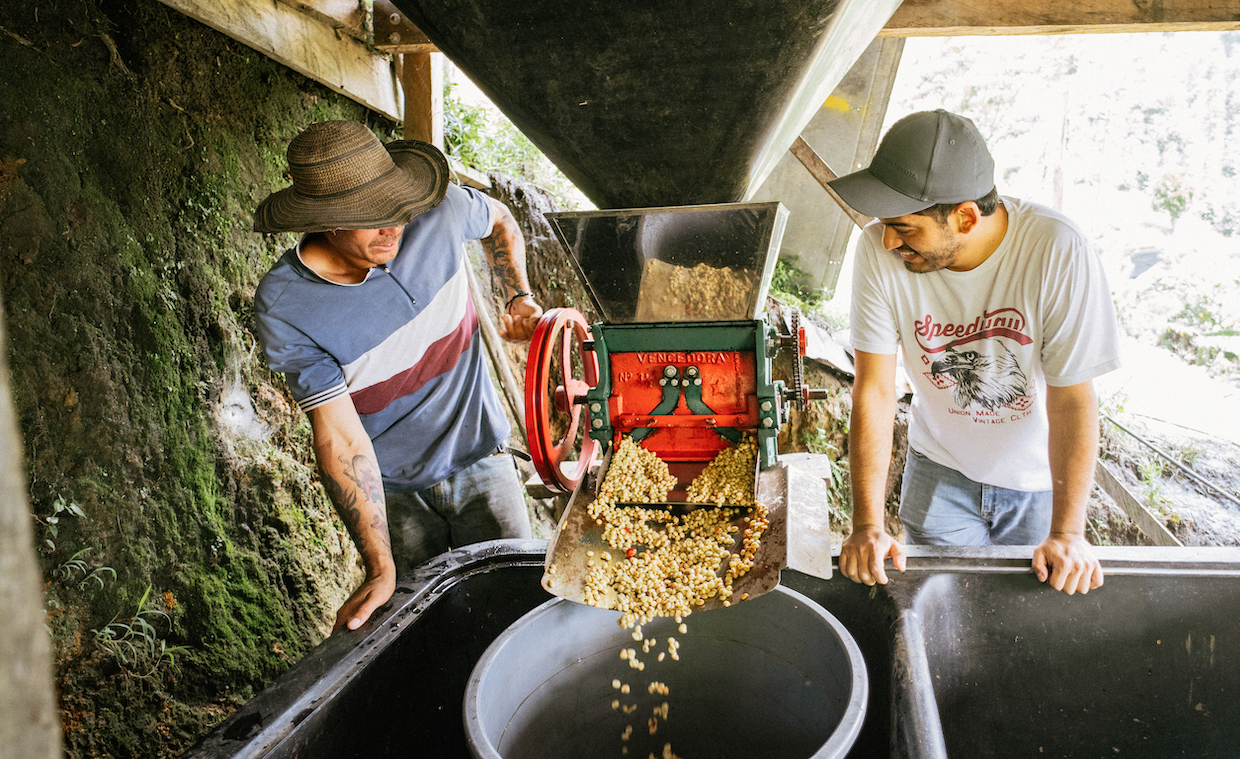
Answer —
487 140
839 492
1152 472
786 287
1096 530
136 645
51 523
1172 195
68 570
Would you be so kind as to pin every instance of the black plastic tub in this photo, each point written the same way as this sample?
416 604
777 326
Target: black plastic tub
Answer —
967 656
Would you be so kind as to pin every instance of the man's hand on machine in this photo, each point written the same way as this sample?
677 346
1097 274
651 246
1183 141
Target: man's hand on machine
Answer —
520 319
1066 562
370 595
863 554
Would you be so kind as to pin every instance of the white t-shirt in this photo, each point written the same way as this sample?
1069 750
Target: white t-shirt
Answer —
980 346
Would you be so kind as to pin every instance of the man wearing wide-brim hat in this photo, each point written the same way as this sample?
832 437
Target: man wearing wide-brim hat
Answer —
370 319
1002 312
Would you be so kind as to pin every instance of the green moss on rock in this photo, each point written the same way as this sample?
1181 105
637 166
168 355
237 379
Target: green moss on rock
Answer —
127 269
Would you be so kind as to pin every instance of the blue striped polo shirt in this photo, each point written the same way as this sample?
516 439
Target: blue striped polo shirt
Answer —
404 344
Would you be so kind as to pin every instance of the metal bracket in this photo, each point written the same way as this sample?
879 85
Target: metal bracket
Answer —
671 399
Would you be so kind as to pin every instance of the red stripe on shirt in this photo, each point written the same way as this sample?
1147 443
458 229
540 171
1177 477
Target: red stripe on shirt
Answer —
440 357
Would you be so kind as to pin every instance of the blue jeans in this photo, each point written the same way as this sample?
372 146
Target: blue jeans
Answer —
483 501
940 506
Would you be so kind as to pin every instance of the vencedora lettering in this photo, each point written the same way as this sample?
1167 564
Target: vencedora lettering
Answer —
681 358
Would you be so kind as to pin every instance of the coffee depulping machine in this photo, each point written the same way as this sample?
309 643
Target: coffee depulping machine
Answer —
681 363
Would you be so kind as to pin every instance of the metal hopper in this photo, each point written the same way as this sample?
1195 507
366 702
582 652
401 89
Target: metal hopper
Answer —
656 104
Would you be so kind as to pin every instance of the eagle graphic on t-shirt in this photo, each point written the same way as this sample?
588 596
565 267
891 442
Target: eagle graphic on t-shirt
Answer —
980 379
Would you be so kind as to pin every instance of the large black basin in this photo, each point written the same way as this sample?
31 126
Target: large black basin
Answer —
1145 667
968 656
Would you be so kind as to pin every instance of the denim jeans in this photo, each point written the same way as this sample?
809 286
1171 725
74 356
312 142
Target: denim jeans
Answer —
483 501
940 506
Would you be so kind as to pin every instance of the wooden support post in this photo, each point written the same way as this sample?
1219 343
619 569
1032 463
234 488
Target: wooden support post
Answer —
495 351
421 76
819 169
29 719
1147 522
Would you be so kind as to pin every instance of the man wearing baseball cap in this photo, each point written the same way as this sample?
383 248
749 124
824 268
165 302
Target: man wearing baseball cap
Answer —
1004 318
370 319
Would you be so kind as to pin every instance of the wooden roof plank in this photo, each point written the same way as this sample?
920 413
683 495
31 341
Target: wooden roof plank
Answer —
307 45
349 16
944 18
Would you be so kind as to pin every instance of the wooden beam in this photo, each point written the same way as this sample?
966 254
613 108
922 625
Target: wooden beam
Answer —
307 45
468 175
821 172
950 18
395 33
421 76
1149 524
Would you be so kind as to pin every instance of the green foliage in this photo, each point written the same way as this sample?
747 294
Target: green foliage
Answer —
1152 472
51 523
464 130
1172 195
839 492
486 140
1224 218
129 268
1098 531
136 644
68 570
1189 332
786 287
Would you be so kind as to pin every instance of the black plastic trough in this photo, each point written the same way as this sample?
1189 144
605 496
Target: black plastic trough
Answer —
967 654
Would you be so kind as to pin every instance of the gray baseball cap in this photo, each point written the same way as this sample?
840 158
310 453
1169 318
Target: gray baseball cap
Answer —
926 158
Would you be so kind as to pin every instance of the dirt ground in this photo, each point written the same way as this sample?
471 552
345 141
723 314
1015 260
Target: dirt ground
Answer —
1196 497
1159 409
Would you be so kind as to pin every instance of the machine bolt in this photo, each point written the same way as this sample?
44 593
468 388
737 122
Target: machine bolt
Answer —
766 405
692 371
597 423
394 19
669 371
394 38
662 382
765 422
697 381
597 407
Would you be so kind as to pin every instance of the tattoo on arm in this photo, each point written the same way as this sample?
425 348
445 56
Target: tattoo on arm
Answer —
366 476
501 249
363 478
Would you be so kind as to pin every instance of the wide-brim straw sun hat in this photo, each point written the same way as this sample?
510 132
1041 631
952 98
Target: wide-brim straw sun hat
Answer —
345 178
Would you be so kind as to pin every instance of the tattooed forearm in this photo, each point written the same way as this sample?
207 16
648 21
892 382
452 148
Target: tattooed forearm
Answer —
361 477
365 474
506 250
344 498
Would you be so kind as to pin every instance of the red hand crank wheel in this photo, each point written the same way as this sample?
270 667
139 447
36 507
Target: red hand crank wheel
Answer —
554 397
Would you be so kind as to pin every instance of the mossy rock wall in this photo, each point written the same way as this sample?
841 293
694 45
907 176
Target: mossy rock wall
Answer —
134 144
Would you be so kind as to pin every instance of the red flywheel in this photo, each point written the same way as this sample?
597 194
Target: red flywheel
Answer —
557 376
